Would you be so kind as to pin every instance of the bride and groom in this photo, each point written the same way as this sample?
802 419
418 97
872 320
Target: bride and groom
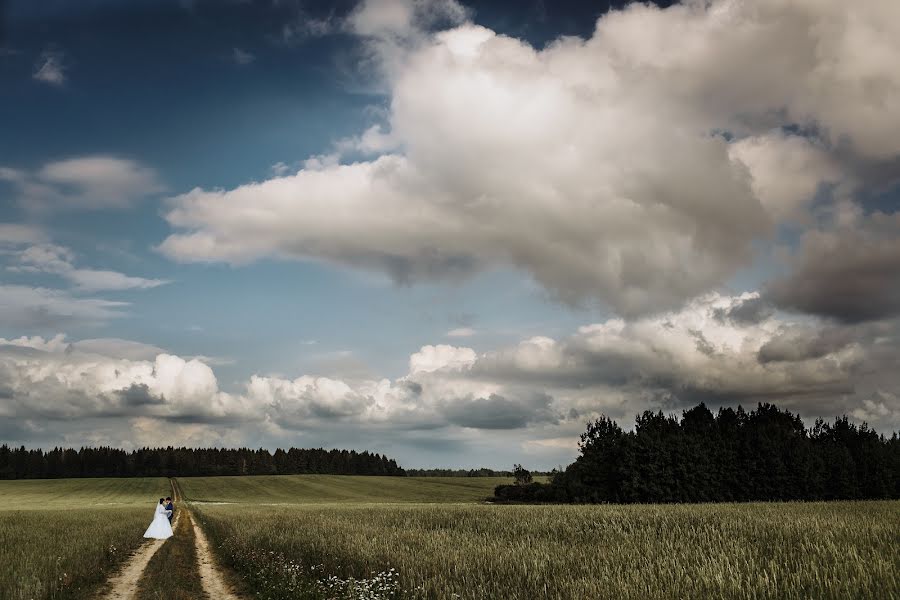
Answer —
161 526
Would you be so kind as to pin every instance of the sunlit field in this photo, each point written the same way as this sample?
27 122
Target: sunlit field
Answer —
326 536
62 538
477 551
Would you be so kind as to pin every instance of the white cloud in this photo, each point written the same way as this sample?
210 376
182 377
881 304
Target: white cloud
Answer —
535 394
50 69
29 307
280 169
119 348
94 280
372 141
15 234
442 356
50 258
90 182
397 19
786 171
592 165
462 332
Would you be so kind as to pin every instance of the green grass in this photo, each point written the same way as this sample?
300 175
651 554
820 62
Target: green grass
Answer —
41 494
817 550
330 489
61 539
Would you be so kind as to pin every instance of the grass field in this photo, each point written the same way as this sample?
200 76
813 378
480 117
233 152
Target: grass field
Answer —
331 489
62 538
472 551
332 537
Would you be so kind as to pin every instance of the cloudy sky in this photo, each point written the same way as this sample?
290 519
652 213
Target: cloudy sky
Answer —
449 231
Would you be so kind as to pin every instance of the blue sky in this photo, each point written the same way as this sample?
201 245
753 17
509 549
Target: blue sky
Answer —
158 83
505 207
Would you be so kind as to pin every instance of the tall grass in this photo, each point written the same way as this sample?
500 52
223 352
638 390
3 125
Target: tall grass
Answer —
65 554
61 539
821 550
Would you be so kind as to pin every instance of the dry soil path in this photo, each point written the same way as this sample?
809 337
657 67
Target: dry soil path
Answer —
123 585
210 576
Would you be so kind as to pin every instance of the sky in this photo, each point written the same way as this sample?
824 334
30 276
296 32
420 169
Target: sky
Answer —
451 232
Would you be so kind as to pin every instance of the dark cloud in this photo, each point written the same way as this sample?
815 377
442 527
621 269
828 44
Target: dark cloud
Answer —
749 311
804 343
138 394
499 412
851 274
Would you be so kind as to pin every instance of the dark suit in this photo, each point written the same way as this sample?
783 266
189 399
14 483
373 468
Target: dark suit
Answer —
170 507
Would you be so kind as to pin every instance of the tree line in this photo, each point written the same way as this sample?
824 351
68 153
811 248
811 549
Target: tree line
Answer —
22 463
482 472
766 454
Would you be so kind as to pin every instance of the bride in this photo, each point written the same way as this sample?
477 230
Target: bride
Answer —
160 528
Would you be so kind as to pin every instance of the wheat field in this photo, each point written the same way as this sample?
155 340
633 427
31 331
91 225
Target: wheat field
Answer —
476 551
338 537
62 538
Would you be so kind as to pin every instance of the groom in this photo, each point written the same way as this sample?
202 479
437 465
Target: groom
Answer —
170 508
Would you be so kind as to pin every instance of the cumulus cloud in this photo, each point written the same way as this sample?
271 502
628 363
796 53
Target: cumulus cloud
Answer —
690 354
787 171
442 356
636 167
89 182
52 380
539 389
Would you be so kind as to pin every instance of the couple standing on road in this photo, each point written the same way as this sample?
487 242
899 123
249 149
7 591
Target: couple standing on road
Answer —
161 526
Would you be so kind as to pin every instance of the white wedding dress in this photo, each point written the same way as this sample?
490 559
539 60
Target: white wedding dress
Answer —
160 528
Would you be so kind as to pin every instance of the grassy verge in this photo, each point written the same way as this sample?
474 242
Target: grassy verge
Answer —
785 551
65 554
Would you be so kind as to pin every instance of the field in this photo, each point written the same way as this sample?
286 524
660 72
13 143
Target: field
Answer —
62 538
476 551
331 489
333 537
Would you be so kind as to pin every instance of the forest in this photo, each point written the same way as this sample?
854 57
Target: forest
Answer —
765 454
22 463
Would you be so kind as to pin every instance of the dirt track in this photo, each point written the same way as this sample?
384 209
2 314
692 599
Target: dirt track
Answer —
123 585
213 583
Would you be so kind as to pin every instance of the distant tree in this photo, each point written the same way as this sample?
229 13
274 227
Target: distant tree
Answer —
521 475
22 463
